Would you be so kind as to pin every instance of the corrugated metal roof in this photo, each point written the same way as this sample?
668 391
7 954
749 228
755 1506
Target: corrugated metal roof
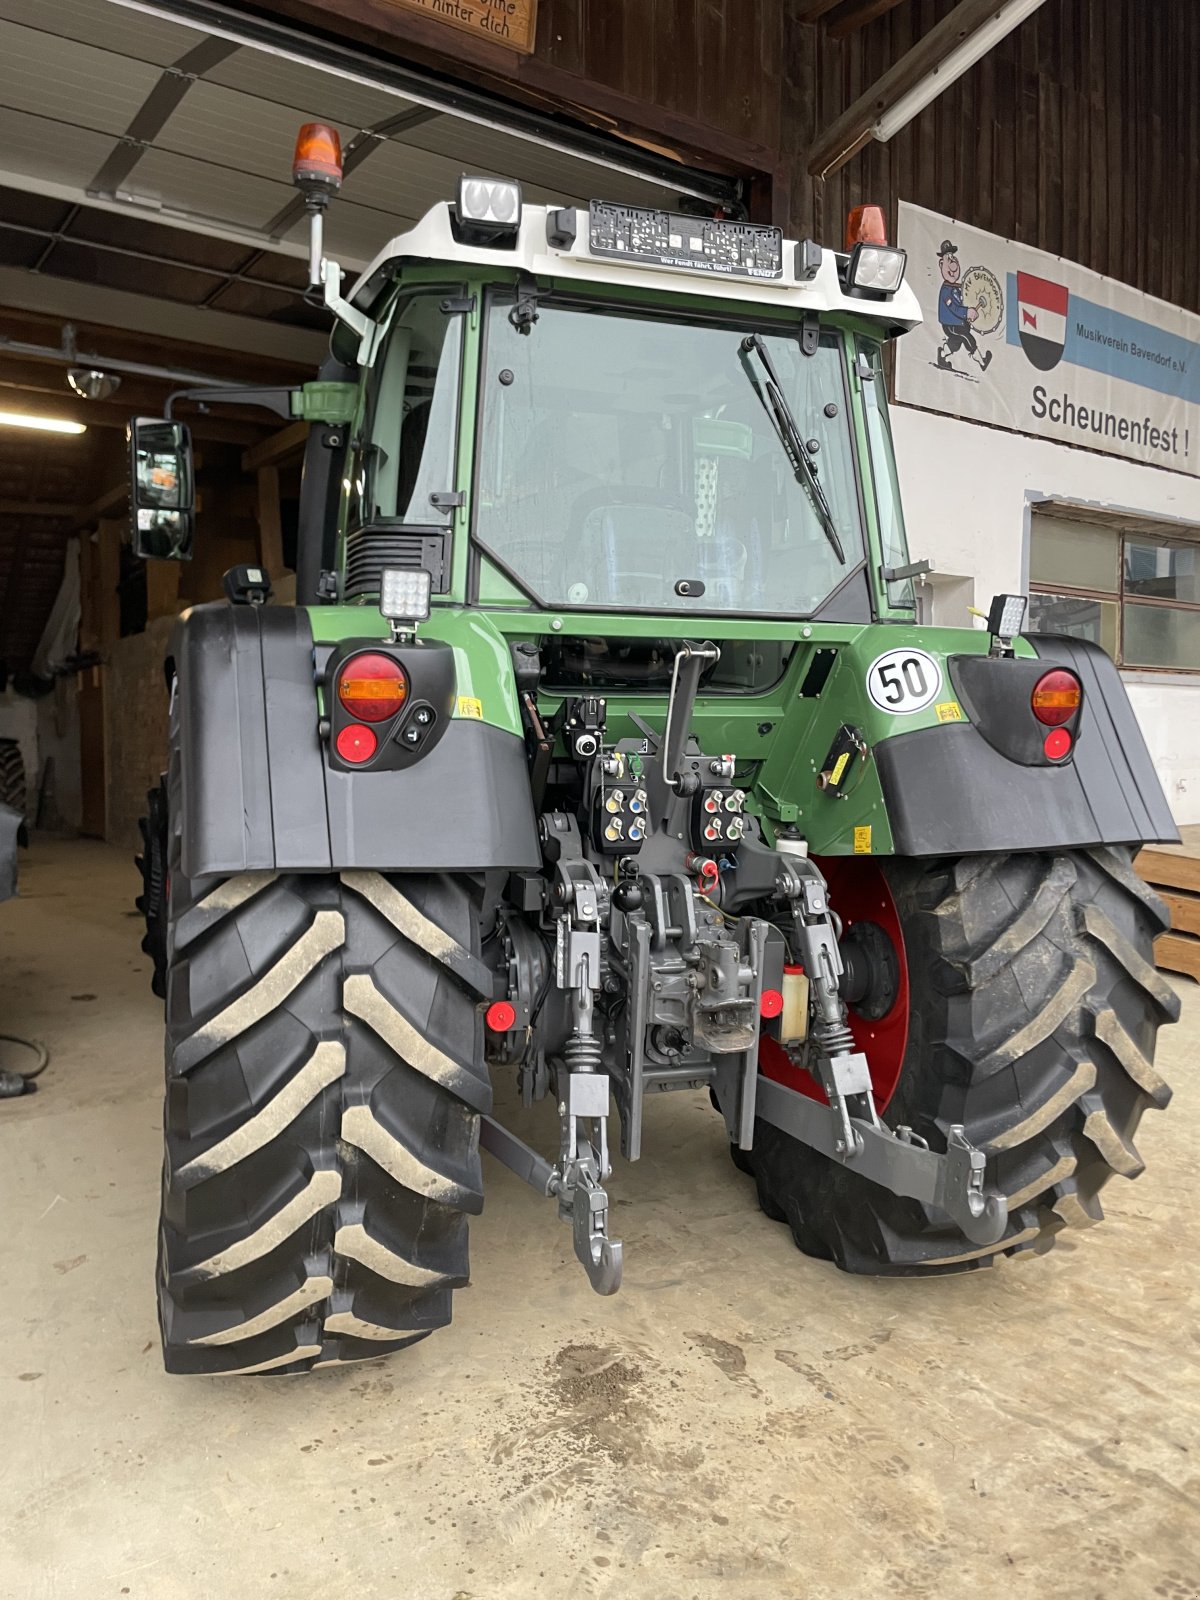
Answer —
111 103
140 35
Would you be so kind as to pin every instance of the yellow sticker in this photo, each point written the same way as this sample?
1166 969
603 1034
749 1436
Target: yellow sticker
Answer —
949 711
839 766
468 706
862 841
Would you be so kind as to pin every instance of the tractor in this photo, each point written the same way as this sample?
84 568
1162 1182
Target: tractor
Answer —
604 751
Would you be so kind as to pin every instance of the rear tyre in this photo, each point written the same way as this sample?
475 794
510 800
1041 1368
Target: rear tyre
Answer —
156 884
1035 1005
12 776
325 1077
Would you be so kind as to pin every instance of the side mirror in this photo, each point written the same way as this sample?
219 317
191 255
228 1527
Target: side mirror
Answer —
162 494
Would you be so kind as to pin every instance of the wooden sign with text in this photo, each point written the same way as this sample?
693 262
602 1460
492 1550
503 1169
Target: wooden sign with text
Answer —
507 22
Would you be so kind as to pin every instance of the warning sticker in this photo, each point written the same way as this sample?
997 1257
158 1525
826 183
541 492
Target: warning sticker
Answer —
862 841
839 766
949 711
468 706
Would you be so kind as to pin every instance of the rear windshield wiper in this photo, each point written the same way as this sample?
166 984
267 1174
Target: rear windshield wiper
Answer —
794 446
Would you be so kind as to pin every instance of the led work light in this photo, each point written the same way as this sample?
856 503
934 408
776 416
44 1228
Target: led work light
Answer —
1006 614
404 598
488 210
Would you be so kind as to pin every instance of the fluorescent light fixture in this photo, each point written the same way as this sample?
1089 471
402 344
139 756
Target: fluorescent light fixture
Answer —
18 419
961 59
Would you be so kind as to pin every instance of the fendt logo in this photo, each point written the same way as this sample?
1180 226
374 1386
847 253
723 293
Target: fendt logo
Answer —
1041 319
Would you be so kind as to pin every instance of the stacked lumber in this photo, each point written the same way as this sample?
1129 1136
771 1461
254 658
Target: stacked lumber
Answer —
1174 872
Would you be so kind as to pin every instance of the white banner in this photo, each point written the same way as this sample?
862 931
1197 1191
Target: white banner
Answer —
1025 340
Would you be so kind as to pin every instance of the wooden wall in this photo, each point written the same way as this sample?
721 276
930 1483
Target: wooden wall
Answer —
693 78
1080 134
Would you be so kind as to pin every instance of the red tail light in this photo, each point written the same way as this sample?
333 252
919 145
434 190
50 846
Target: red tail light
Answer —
372 687
1057 697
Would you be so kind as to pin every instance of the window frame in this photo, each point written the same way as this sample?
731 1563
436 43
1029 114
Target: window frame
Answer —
1121 599
498 293
364 423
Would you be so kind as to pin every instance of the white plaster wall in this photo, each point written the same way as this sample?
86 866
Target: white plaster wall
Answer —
966 491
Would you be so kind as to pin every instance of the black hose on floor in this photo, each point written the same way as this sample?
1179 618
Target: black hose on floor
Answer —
13 1084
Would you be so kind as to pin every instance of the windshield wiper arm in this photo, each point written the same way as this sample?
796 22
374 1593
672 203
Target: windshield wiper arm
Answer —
795 448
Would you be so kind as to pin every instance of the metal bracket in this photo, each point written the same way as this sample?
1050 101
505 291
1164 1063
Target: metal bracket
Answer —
952 1182
911 569
525 312
368 331
810 333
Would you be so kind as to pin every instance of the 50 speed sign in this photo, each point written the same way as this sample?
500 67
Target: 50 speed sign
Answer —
903 681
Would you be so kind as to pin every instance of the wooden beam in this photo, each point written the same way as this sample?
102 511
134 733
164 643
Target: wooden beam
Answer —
162 589
270 451
847 134
108 581
270 525
855 14
38 508
814 10
104 503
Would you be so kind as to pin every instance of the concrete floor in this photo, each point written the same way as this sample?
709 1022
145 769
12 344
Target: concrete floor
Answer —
739 1421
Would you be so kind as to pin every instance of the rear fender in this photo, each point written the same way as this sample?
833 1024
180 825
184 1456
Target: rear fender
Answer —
950 791
257 790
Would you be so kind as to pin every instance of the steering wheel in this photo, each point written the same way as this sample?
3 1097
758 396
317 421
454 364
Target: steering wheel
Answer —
652 559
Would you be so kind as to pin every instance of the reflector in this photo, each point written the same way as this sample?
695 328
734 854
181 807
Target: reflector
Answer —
356 743
500 1016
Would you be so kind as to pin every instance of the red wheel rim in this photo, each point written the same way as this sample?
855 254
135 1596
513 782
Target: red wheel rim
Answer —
858 892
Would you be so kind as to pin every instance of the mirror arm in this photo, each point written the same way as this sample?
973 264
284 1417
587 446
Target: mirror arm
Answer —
277 400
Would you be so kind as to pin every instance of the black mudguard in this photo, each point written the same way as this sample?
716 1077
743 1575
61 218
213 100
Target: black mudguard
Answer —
258 793
948 791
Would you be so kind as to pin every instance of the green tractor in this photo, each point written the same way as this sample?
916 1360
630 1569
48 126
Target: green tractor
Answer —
603 748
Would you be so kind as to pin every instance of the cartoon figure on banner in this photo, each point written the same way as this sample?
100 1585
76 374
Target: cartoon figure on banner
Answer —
970 307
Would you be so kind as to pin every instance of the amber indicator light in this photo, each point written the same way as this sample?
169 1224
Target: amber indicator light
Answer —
372 687
1057 697
865 225
318 154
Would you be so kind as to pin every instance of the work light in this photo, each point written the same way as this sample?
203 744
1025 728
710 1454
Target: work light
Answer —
404 597
1006 614
877 268
488 210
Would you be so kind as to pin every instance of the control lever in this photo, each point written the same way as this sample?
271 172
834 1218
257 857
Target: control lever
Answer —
664 774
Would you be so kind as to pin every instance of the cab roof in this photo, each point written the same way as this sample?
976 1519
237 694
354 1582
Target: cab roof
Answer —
433 240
